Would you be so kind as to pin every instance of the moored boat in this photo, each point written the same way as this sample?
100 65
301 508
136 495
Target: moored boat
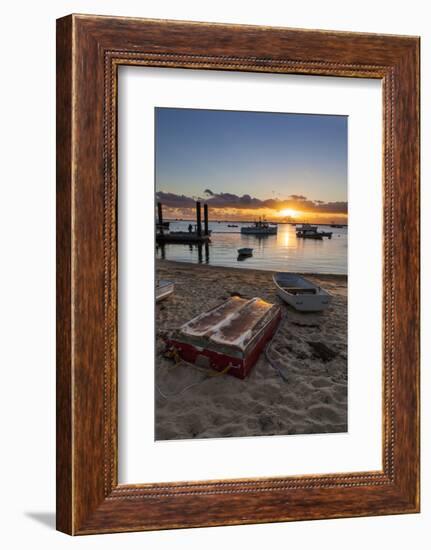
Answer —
301 293
306 227
309 235
245 251
260 227
307 231
164 289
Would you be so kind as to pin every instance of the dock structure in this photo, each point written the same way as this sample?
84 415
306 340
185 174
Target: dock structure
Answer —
196 236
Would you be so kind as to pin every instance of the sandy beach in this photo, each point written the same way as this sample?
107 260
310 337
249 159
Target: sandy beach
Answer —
296 388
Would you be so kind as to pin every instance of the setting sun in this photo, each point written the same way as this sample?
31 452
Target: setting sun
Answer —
288 212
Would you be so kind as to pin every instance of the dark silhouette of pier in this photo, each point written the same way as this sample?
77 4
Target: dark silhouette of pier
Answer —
195 236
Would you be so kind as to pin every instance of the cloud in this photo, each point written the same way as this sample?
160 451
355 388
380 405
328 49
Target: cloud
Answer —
299 198
230 200
175 201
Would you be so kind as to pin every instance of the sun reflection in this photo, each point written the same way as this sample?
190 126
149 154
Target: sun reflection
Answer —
285 237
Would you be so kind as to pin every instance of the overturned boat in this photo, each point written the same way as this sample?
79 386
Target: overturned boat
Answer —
301 293
229 337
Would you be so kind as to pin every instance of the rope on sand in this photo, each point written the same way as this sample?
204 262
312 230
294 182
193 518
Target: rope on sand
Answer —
279 371
167 397
208 375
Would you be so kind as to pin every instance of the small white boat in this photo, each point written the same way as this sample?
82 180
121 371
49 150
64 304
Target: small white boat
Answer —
245 251
164 289
301 293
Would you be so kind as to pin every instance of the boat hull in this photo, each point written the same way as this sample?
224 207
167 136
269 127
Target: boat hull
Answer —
303 299
165 289
304 303
254 231
245 252
220 356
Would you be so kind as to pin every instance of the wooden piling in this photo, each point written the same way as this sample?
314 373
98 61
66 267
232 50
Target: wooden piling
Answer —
206 231
198 219
160 216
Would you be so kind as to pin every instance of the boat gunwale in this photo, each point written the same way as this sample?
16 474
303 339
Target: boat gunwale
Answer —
310 285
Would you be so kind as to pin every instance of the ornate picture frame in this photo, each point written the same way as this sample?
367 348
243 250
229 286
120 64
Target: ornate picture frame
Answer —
89 51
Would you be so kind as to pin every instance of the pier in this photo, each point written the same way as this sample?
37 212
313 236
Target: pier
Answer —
196 236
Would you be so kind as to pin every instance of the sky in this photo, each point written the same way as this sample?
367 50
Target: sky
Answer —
250 164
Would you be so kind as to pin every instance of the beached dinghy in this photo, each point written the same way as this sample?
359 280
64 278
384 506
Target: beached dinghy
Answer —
301 293
164 289
229 337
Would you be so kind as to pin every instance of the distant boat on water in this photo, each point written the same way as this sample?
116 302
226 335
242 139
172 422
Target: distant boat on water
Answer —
306 227
307 231
309 235
245 251
301 293
260 227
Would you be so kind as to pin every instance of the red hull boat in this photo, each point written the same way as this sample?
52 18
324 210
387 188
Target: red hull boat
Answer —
229 337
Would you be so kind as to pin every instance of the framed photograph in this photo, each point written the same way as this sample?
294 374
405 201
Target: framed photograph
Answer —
237 274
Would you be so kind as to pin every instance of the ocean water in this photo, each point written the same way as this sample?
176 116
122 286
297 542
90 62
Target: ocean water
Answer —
281 252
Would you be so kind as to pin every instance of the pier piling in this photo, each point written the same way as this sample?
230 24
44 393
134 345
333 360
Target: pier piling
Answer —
206 230
160 216
198 219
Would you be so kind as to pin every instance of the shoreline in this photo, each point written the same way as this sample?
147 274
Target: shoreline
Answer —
174 263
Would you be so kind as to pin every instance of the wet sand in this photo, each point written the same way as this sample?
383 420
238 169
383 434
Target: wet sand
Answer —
296 388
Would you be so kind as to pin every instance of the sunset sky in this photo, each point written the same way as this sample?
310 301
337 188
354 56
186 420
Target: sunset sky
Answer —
286 167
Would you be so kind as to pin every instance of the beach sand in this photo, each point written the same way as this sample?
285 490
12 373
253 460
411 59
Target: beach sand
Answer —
298 392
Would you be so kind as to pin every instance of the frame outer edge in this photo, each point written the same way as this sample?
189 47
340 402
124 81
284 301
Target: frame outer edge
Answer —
81 507
407 280
64 367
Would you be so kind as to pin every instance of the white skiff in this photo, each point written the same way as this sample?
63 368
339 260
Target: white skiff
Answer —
301 293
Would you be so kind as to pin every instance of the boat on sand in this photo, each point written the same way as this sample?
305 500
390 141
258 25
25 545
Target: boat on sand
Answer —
164 289
301 293
229 337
